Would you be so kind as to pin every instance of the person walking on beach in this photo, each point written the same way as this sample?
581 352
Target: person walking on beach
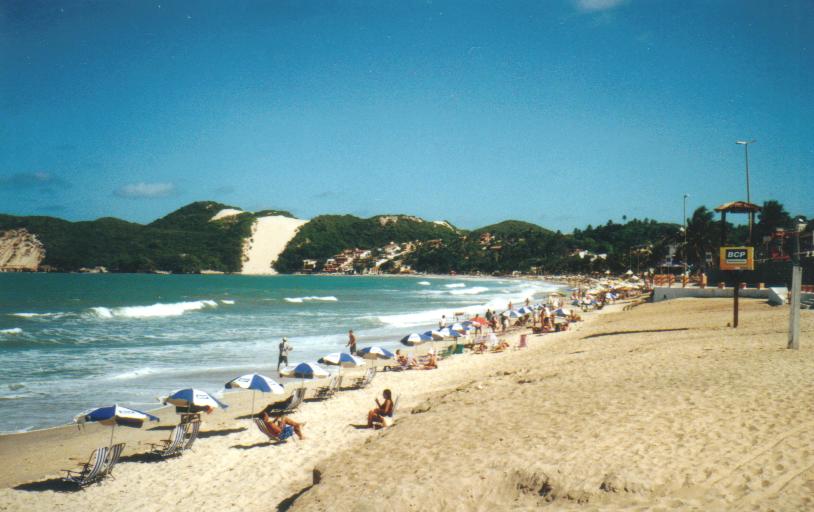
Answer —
443 322
351 342
285 348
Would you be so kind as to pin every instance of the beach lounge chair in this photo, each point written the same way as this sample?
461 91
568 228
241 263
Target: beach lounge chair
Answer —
327 391
287 406
174 445
365 380
91 470
194 428
113 455
287 432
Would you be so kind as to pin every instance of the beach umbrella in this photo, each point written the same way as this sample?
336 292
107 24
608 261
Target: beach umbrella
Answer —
435 335
191 397
525 310
305 371
115 415
342 359
513 313
446 332
256 382
415 339
480 320
562 312
376 352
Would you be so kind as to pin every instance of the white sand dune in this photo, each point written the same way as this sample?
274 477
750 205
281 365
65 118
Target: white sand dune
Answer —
270 235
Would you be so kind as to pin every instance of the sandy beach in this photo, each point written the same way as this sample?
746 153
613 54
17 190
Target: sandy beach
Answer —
659 407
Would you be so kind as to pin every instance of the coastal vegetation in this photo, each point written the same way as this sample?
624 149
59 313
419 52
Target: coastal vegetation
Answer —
189 241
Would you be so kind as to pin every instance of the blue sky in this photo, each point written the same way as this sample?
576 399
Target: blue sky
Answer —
563 113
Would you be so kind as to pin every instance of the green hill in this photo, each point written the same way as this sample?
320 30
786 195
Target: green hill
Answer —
327 235
183 241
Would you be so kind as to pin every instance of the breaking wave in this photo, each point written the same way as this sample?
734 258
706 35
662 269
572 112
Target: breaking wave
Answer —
158 310
300 300
475 290
455 285
11 332
424 283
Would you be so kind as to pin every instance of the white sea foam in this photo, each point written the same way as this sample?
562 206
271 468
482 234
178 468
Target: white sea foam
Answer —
424 283
14 331
154 311
475 290
300 300
39 315
227 301
455 285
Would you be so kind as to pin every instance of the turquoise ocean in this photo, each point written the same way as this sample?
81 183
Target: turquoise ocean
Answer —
69 342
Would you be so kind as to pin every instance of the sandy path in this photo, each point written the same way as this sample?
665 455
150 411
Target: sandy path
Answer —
269 237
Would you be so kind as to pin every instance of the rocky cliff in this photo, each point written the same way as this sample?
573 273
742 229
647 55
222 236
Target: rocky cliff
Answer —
20 251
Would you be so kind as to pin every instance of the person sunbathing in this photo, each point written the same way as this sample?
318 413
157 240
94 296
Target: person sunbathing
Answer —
431 363
401 358
383 409
278 425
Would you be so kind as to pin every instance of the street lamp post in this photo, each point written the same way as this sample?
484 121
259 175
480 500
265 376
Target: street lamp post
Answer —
685 232
745 144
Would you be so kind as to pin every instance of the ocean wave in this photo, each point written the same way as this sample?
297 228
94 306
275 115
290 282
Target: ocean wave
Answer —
475 290
14 331
455 285
300 300
227 301
39 315
158 310
424 283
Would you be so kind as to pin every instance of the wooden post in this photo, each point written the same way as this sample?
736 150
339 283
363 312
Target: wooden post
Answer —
794 316
737 293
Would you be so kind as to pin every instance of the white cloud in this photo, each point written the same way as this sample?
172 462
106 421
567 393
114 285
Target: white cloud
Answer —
597 5
141 189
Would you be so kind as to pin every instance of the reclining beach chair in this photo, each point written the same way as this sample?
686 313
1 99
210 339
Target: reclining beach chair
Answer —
194 428
326 391
174 445
113 455
91 470
287 432
287 406
365 380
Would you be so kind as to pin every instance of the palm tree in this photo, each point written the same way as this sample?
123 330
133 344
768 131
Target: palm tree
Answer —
701 235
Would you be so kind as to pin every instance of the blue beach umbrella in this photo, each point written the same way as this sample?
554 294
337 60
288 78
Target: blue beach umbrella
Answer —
435 335
193 398
376 352
449 333
342 359
513 313
305 371
415 339
115 415
525 310
562 312
256 382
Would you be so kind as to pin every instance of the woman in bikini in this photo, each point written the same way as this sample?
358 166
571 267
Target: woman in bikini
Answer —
277 425
382 410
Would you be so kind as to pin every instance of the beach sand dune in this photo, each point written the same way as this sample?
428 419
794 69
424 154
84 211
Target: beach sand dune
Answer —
661 407
269 237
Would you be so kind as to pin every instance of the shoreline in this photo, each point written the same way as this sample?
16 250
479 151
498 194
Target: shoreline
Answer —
675 394
157 407
66 435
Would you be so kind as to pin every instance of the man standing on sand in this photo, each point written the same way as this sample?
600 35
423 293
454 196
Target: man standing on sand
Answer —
285 348
443 322
351 342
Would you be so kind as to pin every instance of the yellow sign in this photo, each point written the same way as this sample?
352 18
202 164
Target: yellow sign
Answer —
737 258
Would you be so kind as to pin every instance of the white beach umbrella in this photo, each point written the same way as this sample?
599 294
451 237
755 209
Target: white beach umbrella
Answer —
256 382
